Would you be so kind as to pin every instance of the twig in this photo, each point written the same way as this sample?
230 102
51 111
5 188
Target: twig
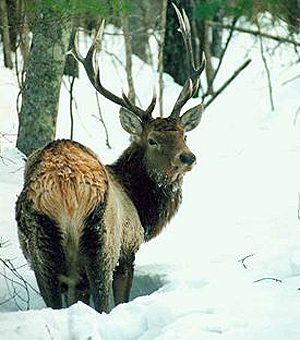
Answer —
111 54
100 118
16 281
3 159
49 332
227 82
3 302
290 80
267 69
244 259
268 278
4 244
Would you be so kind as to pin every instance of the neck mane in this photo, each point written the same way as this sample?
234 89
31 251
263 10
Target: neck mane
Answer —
155 200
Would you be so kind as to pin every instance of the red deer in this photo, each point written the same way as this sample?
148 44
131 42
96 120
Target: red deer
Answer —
80 223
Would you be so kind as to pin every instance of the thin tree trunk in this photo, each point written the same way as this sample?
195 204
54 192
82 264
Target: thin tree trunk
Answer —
209 70
40 97
175 62
24 33
128 51
5 35
161 56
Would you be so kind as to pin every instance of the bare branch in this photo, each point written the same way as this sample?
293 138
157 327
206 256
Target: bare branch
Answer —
255 33
14 282
244 259
227 82
100 118
290 80
268 278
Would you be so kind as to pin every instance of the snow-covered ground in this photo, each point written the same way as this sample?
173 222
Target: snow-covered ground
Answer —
228 265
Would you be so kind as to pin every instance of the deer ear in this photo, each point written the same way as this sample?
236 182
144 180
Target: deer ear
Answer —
130 122
191 118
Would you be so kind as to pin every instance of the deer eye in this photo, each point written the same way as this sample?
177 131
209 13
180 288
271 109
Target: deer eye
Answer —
184 138
152 142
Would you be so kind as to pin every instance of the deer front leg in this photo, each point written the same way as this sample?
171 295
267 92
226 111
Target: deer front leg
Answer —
122 280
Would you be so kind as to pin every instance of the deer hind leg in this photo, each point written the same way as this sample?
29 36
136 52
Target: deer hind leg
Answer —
41 244
122 279
97 258
49 261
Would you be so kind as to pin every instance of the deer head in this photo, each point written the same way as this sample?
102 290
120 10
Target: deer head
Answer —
163 140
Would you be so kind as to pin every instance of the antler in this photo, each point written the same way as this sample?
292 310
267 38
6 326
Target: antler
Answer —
192 84
92 69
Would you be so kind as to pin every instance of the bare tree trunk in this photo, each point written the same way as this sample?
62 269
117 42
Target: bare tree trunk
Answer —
24 33
128 51
161 55
208 66
175 62
5 35
37 120
217 34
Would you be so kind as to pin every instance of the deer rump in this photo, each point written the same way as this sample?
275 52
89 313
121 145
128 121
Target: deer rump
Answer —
77 227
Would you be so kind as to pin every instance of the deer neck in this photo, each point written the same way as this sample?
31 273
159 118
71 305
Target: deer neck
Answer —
155 200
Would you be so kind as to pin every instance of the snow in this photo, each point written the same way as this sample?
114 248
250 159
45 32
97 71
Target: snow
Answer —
214 267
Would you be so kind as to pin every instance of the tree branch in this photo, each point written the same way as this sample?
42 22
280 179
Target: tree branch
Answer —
244 259
100 118
268 278
227 82
255 33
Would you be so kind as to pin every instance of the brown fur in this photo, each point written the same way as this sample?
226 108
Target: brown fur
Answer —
81 223
67 182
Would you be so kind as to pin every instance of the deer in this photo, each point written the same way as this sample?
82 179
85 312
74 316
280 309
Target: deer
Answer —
80 223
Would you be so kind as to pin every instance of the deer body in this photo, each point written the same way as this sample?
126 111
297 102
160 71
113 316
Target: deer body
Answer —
80 223
68 203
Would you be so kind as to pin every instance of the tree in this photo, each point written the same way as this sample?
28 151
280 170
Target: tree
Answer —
52 28
40 95
174 53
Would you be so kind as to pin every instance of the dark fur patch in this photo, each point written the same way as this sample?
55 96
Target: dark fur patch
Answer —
41 242
96 259
155 204
92 238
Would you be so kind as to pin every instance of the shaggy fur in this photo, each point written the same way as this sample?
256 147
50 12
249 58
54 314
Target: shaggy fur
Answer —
75 222
80 223
155 199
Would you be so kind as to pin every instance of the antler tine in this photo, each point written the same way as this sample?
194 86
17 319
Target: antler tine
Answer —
192 84
92 69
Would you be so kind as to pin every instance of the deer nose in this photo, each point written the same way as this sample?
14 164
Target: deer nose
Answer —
187 158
